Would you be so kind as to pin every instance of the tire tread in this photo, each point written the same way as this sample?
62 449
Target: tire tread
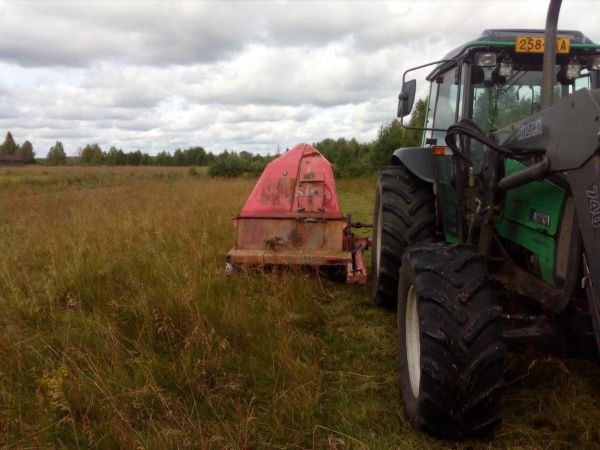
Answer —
462 353
408 217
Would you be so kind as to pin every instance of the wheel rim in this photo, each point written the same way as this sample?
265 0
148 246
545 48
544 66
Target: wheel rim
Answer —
413 342
378 240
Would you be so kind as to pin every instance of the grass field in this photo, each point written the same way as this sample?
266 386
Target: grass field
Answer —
119 329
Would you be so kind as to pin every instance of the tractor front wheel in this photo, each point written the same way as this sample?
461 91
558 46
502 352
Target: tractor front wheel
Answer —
404 214
449 341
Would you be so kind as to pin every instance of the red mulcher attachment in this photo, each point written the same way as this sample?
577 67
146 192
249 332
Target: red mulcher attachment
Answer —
293 217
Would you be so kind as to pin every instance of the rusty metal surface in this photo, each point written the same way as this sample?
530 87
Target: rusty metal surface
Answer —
299 183
289 257
293 217
356 271
282 234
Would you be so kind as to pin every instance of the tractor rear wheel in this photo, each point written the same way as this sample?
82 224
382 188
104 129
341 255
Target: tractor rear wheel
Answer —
404 214
449 341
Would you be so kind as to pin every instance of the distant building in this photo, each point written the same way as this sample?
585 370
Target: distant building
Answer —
11 160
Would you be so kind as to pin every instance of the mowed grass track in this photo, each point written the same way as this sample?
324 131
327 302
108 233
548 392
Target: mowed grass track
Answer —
119 329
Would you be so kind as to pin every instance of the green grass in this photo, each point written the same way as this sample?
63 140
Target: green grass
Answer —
59 178
119 329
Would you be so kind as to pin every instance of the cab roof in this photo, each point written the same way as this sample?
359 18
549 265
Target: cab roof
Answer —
577 37
505 37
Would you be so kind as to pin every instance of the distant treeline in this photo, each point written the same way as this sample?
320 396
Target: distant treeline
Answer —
25 150
92 155
349 157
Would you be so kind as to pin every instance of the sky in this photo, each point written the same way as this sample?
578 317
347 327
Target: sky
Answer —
242 76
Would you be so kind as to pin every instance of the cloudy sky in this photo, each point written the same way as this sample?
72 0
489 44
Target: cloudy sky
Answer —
238 75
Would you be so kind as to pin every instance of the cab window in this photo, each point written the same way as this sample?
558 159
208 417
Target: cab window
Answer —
445 105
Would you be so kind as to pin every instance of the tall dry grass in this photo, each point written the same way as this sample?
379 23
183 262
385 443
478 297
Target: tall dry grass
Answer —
119 329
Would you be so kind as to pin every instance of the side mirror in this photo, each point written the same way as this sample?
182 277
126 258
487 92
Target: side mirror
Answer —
406 99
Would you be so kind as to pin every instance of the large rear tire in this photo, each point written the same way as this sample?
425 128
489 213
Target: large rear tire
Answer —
449 341
404 214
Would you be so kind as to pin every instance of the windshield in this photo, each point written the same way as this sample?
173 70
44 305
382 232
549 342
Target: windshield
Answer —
498 105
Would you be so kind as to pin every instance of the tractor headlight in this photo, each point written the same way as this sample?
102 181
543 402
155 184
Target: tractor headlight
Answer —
595 62
485 59
505 69
573 69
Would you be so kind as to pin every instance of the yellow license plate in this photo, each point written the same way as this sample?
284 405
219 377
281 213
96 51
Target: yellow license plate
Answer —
535 44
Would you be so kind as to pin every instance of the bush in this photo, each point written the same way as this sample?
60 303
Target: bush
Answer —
229 164
226 165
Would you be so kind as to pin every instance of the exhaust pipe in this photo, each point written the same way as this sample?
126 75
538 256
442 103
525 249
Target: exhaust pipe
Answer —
549 71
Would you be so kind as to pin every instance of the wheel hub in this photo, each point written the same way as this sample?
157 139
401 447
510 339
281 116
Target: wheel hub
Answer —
413 341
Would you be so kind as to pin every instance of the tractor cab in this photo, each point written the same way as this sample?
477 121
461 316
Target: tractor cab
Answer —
495 81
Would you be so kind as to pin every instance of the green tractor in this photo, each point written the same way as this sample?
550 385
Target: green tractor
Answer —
489 234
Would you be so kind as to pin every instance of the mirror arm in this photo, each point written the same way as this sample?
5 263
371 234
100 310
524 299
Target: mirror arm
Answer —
441 61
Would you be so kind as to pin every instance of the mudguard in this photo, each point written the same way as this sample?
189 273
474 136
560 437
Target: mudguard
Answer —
416 159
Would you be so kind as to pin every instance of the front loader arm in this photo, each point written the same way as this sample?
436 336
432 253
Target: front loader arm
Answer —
569 134
584 183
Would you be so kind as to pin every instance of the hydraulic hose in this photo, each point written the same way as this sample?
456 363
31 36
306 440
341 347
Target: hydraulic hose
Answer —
467 127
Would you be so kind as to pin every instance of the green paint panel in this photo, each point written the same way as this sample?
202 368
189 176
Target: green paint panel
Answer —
538 198
450 239
540 244
531 218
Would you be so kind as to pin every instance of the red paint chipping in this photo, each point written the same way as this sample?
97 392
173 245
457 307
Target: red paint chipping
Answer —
293 217
299 181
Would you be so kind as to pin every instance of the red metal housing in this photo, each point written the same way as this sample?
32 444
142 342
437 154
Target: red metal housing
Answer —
293 216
